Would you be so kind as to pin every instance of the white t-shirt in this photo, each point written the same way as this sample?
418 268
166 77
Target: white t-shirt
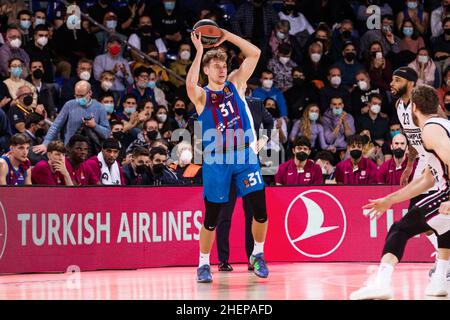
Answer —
298 24
135 41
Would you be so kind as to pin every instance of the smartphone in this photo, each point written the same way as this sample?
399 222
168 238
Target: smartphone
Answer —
378 55
87 118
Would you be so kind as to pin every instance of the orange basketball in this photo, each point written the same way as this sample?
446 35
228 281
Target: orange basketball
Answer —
211 32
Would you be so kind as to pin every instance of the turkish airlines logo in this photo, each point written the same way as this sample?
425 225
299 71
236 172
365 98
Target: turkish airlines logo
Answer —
315 223
3 230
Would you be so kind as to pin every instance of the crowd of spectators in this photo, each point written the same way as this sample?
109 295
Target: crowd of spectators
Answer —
85 107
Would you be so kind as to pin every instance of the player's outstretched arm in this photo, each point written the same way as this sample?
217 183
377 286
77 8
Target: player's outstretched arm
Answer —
194 91
251 53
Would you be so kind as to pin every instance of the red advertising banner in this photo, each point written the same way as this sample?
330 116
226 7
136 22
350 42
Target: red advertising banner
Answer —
47 229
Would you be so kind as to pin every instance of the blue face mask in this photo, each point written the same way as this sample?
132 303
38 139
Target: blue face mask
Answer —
412 4
16 72
408 31
337 112
109 107
130 110
151 84
111 24
39 21
82 101
169 6
394 133
313 116
25 24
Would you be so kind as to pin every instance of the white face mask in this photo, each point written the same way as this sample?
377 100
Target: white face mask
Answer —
284 60
363 85
375 108
106 85
315 57
161 117
42 41
16 43
336 81
422 59
186 157
85 75
267 83
185 55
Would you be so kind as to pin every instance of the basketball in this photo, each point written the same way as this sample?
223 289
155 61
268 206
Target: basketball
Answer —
210 31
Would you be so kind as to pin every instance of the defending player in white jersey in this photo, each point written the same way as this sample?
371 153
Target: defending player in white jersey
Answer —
428 214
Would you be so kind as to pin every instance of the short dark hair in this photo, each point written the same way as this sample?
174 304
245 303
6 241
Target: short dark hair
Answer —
33 118
129 96
77 138
355 139
56 145
426 99
157 150
284 48
325 155
21 12
137 72
337 97
302 141
19 139
140 151
375 95
266 71
106 94
40 27
14 59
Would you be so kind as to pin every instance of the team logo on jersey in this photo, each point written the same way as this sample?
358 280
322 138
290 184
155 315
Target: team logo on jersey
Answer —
226 90
3 230
308 175
363 173
315 223
213 97
246 183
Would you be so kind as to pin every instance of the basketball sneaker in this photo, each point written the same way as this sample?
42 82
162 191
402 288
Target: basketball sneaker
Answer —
259 265
225 266
372 292
436 288
432 270
204 274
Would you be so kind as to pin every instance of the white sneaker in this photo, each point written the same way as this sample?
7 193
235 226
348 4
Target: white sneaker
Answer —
436 288
372 292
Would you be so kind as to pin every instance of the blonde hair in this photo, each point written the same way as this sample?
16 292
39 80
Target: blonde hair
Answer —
214 54
305 123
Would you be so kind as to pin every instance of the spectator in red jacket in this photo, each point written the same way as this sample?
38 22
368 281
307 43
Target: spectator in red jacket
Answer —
357 169
105 165
391 170
54 171
300 170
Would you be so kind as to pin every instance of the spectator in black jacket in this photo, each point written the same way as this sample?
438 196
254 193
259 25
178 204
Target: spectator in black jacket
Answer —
35 129
138 171
47 93
160 173
40 50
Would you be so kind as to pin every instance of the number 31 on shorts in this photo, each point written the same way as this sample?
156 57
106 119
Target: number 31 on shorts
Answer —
252 181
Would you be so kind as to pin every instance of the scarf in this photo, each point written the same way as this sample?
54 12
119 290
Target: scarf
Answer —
109 177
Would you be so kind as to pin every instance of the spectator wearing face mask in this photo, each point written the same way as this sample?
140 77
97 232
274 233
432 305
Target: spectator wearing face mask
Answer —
282 66
143 88
436 18
39 49
161 175
180 117
182 64
299 25
315 66
379 67
325 159
280 36
426 69
35 129
12 49
440 45
373 121
300 170
357 170
114 62
411 40
137 172
107 101
349 65
107 79
83 72
52 172
161 116
153 52
361 93
110 22
268 90
385 36
391 170
275 144
21 107
184 168
342 35
372 149
105 165
334 88
25 25
414 11
129 115
149 134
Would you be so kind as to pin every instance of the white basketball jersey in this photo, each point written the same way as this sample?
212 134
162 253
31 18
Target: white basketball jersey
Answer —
436 165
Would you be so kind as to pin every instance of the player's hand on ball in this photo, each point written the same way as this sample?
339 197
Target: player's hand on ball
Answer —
222 38
377 208
197 41
445 208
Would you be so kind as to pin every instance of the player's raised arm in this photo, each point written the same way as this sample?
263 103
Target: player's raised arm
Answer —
194 91
251 53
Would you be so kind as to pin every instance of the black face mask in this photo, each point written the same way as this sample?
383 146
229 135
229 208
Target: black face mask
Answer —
40 133
146 29
356 154
301 156
346 34
37 74
350 56
180 111
400 93
151 135
289 7
366 139
398 153
158 169
274 112
298 82
28 100
141 169
118 135
447 32
447 106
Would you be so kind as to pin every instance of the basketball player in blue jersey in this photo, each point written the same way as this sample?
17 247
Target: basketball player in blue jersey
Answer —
230 157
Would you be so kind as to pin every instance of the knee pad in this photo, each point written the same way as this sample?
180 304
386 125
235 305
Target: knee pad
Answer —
211 215
257 200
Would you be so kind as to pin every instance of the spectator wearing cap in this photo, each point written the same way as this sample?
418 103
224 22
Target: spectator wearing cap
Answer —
391 170
83 72
349 64
52 172
81 174
334 88
81 111
113 61
35 129
12 49
377 125
137 172
357 170
281 66
39 49
15 166
105 165
300 170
